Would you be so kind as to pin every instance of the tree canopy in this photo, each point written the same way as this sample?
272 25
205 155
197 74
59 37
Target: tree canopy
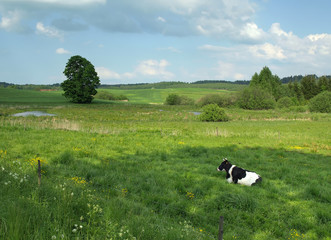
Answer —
82 80
266 81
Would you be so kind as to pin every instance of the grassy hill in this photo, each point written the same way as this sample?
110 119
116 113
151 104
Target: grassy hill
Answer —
141 96
17 96
225 85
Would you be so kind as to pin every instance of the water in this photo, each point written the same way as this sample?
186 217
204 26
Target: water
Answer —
196 113
33 113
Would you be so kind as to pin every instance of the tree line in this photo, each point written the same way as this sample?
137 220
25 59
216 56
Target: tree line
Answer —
302 89
266 90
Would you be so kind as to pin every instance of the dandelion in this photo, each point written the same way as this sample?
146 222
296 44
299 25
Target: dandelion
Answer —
124 191
53 237
296 147
295 235
3 153
79 180
74 230
189 195
34 161
181 143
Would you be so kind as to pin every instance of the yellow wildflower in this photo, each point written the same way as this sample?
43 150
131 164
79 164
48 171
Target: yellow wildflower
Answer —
79 180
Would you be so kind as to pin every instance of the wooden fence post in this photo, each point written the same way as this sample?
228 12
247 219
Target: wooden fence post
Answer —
39 173
220 231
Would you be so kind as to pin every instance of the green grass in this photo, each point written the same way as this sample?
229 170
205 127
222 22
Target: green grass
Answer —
137 171
14 96
158 96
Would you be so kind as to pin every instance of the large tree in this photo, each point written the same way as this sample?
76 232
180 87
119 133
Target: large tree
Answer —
309 86
268 82
82 80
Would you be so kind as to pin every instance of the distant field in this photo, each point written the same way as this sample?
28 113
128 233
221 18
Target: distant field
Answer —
145 96
15 96
158 96
148 171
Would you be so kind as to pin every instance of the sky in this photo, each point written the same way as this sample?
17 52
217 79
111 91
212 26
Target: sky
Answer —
148 41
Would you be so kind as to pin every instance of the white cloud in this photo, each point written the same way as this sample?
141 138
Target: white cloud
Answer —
267 51
251 31
317 37
215 18
298 55
146 68
276 30
154 68
48 31
106 74
213 48
226 70
62 51
161 19
227 20
10 20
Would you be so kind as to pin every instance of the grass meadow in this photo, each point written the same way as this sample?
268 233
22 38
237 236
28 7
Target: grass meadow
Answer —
148 171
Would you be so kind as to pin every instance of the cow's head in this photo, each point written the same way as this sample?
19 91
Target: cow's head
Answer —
223 164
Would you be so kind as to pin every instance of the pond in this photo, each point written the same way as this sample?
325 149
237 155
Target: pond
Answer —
33 113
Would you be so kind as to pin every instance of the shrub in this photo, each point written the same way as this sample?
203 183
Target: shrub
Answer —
175 99
220 100
255 98
213 113
184 100
321 103
285 102
298 109
109 96
172 99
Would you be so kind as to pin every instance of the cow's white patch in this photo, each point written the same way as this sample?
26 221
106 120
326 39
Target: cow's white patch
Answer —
250 178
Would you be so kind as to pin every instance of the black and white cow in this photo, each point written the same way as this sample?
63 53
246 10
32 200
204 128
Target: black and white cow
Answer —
238 175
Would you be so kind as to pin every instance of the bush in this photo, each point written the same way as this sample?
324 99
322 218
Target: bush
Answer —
175 99
184 100
220 100
255 98
321 103
285 102
298 109
213 113
109 96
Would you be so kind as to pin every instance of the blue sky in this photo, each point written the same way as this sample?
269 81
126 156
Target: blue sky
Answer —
156 40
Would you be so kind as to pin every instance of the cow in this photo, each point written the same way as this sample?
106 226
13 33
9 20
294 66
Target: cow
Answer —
239 175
